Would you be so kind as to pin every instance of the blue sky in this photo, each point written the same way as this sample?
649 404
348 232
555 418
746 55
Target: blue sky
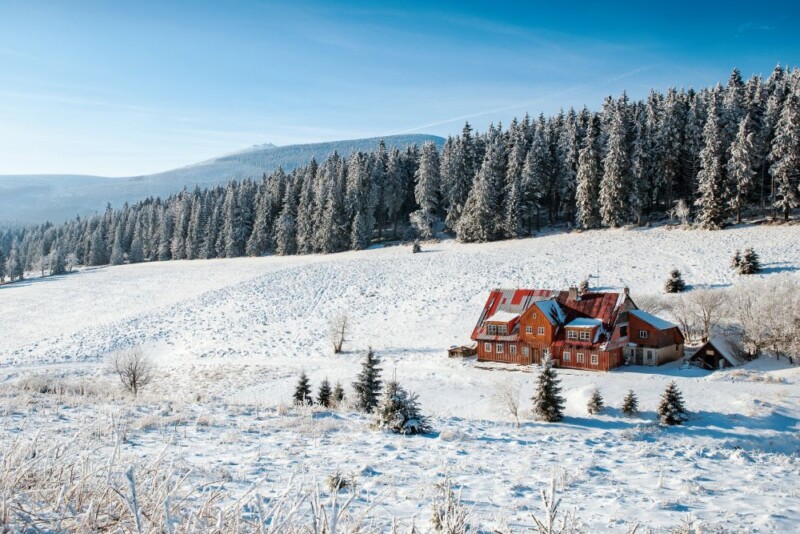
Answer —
125 88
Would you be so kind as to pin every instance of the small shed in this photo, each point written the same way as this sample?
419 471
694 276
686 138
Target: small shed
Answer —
718 353
463 351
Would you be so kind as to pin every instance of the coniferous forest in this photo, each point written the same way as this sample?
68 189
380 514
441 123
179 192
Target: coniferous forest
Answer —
711 155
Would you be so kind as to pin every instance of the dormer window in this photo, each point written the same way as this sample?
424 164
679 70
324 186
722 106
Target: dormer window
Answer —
572 334
492 329
584 335
502 329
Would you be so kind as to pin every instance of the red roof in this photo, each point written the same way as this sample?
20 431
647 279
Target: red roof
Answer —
602 306
510 300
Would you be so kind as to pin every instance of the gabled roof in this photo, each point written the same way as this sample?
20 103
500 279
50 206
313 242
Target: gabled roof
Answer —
652 320
552 311
597 305
512 301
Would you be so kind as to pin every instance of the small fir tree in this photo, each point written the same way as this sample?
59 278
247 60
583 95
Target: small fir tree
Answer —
398 411
736 261
671 410
675 283
750 263
368 383
630 405
338 393
548 404
302 392
324 395
596 403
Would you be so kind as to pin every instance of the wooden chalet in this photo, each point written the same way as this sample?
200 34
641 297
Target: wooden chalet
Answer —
590 330
717 353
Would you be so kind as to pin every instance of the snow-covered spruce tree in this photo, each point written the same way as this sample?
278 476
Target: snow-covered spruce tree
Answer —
426 191
671 410
630 404
533 177
512 223
57 260
325 395
2 265
286 229
459 176
481 218
588 189
548 404
302 391
785 155
368 383
98 255
360 200
741 166
750 263
615 184
338 394
398 411
712 190
595 404
675 283
118 250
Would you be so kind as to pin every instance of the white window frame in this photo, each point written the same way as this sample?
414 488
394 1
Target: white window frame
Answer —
540 331
595 359
502 330
491 329
498 348
512 349
526 351
572 335
579 358
584 335
567 356
487 347
529 330
643 334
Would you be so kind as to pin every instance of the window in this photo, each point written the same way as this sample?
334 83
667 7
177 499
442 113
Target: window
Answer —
540 331
533 315
513 350
498 348
526 351
623 330
487 347
579 357
492 329
502 329
594 359
567 356
643 334
585 335
572 334
529 330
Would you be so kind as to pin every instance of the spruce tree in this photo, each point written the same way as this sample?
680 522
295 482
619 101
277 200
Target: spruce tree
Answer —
586 197
324 395
595 404
741 166
675 283
338 393
785 155
57 260
750 263
736 261
98 254
426 191
548 404
398 411
302 392
368 383
616 182
671 410
630 405
14 266
481 218
118 250
711 178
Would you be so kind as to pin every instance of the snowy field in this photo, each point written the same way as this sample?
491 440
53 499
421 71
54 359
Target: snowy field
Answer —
231 336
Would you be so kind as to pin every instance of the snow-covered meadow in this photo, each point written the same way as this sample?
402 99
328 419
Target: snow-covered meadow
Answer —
230 337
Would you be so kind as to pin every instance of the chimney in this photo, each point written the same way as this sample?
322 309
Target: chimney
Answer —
573 293
626 291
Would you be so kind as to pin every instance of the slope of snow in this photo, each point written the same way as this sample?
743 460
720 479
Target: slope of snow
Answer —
236 334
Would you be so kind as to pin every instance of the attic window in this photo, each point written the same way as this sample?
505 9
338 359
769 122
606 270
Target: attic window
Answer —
572 334
502 329
584 336
492 329
643 334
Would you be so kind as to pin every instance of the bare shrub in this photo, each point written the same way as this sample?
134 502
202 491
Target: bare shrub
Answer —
135 370
567 523
450 515
708 307
653 304
506 397
338 332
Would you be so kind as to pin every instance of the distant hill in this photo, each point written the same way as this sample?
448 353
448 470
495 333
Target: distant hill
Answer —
55 198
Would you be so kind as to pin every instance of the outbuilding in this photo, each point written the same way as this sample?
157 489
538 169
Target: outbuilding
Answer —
717 353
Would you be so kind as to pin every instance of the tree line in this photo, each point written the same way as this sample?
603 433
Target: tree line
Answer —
712 153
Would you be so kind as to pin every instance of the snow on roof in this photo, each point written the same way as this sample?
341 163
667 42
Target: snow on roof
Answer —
727 350
584 322
652 320
552 310
502 317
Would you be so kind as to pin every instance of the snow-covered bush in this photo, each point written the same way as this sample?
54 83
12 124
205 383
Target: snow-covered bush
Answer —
398 411
450 515
302 391
595 404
